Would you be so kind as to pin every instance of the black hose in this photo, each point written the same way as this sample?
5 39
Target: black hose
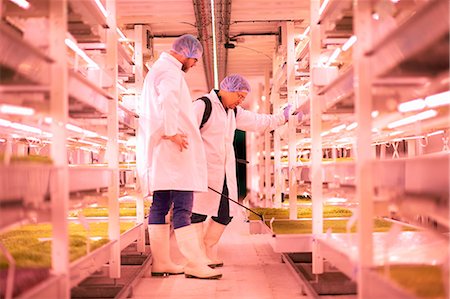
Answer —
259 215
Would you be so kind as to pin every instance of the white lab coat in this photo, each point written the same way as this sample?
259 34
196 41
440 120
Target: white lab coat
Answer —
165 108
218 136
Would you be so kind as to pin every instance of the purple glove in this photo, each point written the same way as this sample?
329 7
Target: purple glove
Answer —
299 116
286 111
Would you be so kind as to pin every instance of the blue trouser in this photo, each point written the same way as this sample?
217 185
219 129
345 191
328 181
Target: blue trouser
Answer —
182 207
223 214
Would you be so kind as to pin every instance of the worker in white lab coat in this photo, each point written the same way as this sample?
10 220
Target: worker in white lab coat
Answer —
171 159
218 134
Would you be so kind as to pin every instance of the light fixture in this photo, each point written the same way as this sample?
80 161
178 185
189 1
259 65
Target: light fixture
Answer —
25 128
349 43
122 38
333 56
338 128
413 105
351 126
90 134
417 117
438 99
374 113
435 133
101 8
72 45
305 33
120 86
396 133
74 128
408 138
304 140
213 25
324 133
21 3
16 110
2 140
323 6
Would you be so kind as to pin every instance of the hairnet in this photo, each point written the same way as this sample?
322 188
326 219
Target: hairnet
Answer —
188 46
234 83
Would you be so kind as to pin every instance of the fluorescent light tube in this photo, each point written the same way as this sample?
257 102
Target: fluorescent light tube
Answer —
72 45
417 117
16 110
349 43
439 99
413 105
21 3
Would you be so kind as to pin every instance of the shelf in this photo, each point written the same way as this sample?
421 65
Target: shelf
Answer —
337 19
408 247
125 63
49 288
85 266
301 50
407 183
127 118
418 46
37 177
130 236
338 91
413 174
86 97
88 11
84 177
20 62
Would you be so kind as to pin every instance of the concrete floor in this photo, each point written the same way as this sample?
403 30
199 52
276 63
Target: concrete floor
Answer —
251 271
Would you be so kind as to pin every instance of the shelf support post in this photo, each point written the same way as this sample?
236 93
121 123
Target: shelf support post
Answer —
59 107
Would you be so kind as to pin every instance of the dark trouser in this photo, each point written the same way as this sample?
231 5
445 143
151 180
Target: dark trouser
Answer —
182 207
223 214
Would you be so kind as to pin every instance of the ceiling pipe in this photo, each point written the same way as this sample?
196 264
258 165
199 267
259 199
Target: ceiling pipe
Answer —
223 16
202 10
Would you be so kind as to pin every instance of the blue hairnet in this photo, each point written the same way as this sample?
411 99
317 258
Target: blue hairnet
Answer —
188 46
234 83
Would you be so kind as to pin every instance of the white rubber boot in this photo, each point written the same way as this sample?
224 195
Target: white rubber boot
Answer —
162 264
200 235
197 266
211 238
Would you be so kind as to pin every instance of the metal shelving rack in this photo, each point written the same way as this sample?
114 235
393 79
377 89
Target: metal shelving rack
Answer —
378 68
40 78
387 66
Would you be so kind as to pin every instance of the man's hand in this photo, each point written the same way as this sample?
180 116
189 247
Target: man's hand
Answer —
179 139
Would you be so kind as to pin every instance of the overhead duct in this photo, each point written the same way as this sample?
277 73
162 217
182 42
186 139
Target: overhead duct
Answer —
222 11
202 10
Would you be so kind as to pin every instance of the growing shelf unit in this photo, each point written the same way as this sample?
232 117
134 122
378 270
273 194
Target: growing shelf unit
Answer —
390 72
60 67
361 144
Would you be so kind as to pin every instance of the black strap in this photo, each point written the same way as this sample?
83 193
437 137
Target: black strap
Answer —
207 112
208 109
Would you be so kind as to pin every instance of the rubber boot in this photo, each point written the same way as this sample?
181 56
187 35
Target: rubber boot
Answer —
200 235
197 266
211 238
162 264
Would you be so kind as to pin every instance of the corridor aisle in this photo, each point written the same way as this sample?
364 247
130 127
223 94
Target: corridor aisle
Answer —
251 271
